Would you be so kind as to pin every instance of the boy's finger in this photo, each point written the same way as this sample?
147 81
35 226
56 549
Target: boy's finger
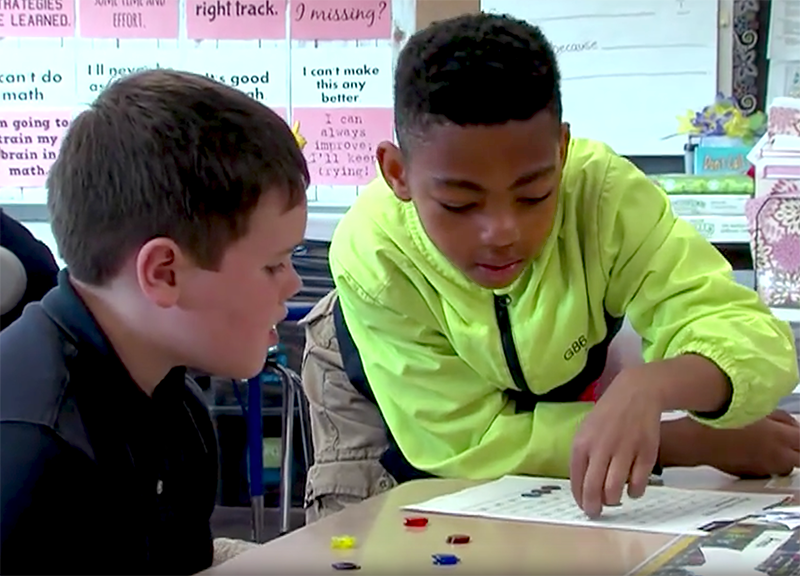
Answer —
640 476
619 470
594 484
786 463
784 417
789 437
577 472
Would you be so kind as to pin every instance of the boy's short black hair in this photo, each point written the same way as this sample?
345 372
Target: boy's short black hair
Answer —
476 69
169 154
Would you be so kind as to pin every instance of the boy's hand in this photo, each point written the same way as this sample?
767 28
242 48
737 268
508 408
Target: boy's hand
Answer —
617 443
769 447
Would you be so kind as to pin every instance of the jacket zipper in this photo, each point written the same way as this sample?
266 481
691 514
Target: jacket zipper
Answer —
501 304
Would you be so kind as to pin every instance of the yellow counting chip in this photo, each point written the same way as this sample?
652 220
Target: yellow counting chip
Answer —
343 542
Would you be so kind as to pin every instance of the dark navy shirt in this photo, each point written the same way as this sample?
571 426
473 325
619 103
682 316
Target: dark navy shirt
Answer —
96 476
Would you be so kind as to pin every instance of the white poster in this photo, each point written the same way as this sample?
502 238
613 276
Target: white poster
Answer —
261 73
28 82
97 68
628 67
784 30
342 77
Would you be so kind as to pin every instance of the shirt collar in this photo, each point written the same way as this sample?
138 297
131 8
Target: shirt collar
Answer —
67 309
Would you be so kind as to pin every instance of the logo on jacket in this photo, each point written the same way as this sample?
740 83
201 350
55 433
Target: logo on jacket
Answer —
575 347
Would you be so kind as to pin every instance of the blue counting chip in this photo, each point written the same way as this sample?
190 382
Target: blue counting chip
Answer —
532 494
445 559
551 488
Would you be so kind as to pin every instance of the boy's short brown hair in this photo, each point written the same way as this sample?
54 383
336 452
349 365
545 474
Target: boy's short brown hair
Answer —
167 154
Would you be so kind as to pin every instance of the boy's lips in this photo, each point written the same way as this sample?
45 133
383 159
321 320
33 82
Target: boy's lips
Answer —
499 273
498 266
273 331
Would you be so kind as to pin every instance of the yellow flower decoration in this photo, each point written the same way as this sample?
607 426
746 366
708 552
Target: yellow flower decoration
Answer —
722 118
301 141
737 126
685 123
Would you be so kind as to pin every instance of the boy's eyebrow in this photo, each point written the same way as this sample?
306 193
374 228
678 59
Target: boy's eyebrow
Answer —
533 176
518 183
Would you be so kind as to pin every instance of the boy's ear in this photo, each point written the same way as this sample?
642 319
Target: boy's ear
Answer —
393 168
160 264
564 138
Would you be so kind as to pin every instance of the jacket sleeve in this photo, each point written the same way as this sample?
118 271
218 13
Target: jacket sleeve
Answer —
446 419
681 297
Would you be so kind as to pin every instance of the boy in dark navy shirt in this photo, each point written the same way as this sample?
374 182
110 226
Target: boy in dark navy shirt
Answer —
176 203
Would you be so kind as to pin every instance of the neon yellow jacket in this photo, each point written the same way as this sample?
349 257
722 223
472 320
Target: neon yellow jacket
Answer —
429 338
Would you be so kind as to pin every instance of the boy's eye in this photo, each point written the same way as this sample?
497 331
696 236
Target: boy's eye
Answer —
458 209
533 201
274 269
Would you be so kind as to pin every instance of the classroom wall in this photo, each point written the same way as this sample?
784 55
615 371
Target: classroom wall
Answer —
329 202
432 10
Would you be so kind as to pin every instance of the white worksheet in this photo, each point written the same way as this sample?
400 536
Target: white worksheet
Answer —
790 482
548 500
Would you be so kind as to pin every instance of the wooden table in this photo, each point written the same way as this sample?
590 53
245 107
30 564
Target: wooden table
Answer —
385 546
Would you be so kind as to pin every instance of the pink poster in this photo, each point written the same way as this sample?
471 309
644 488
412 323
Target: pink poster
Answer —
129 18
236 20
341 142
43 19
341 19
29 144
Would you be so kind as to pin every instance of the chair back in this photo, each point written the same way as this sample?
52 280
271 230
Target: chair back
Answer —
13 280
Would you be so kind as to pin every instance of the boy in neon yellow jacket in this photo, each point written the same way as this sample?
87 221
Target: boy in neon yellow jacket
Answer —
482 278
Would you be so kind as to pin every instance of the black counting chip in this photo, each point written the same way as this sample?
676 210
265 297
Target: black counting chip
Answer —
345 566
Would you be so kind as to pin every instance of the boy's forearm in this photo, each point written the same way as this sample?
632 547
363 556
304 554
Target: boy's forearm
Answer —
688 382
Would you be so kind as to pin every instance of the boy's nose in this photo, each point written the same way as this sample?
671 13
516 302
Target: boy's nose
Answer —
293 285
500 232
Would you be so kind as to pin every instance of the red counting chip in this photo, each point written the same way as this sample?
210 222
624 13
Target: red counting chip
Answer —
415 521
458 539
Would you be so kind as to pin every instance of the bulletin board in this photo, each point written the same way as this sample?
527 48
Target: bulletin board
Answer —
326 64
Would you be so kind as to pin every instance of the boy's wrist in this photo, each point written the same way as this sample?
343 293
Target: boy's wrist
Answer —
682 443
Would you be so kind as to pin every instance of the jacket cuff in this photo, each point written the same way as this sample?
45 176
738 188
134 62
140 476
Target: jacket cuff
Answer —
734 413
